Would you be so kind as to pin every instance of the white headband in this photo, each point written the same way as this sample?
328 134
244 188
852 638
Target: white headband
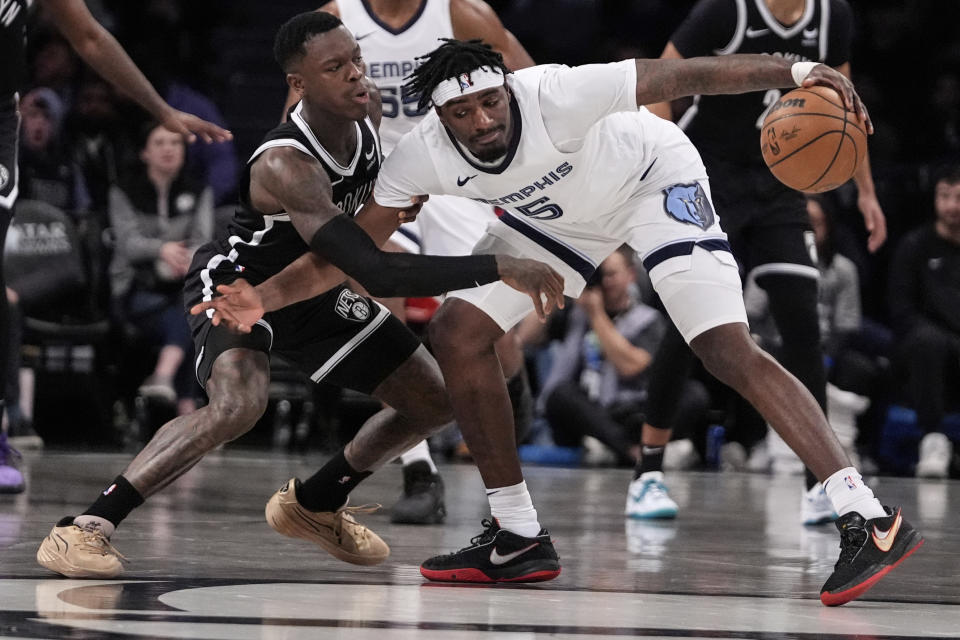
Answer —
479 79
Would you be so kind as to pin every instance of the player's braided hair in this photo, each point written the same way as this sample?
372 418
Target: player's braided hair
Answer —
449 60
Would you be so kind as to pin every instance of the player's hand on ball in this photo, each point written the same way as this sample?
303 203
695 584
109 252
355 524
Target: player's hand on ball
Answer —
536 279
238 307
826 76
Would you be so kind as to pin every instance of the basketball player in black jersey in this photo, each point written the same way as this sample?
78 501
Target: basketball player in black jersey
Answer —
422 501
298 195
765 220
102 52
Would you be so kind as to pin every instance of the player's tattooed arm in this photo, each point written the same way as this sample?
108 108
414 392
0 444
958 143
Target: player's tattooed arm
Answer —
286 179
668 79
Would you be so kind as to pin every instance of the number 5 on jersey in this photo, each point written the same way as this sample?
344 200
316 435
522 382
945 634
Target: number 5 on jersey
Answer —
541 209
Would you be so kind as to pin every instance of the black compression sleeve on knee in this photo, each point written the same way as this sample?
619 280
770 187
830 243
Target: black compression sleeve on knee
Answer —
385 274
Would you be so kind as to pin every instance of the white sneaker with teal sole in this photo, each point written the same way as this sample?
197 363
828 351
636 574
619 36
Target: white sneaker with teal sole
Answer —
816 507
647 498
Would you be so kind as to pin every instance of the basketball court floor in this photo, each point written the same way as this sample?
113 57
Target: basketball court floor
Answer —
204 564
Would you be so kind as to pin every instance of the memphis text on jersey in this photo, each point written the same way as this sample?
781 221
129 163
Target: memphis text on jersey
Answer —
544 213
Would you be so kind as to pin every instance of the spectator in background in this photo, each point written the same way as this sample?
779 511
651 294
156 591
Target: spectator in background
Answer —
173 71
216 162
100 50
54 64
924 303
160 216
597 385
46 172
98 139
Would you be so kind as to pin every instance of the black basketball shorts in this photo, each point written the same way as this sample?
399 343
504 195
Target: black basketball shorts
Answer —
338 337
765 221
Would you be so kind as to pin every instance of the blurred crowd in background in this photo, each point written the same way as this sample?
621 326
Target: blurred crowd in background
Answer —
111 208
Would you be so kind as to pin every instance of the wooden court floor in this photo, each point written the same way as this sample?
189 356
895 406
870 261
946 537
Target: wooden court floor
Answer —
735 564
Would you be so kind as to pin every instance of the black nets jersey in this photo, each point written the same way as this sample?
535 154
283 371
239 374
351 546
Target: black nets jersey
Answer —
259 244
727 128
13 26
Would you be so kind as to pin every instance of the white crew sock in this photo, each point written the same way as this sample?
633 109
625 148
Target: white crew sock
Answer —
86 520
847 492
513 509
418 452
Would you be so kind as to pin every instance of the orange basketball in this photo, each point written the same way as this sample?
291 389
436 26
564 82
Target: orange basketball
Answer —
811 142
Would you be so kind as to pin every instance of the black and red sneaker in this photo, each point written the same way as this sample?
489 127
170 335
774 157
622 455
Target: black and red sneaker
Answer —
497 555
869 550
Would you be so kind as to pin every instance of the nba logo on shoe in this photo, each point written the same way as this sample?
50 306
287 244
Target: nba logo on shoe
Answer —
240 268
465 81
851 483
110 489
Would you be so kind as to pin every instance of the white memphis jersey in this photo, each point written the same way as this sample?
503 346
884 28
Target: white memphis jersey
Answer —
617 157
390 55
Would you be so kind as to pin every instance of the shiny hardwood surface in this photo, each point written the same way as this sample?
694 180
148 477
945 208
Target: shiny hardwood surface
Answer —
204 564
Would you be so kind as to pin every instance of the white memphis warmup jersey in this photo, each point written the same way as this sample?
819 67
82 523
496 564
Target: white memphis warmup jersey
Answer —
390 55
580 158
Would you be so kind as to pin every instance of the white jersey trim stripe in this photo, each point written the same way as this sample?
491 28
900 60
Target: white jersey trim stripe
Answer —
786 269
329 159
689 114
266 325
351 344
376 136
778 28
280 142
215 261
824 28
738 33
8 200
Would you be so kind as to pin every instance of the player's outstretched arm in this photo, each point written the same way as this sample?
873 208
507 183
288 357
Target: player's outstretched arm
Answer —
663 109
100 50
302 189
283 178
662 80
240 305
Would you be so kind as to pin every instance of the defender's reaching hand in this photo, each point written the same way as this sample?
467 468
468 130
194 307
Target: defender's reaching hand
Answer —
536 279
238 306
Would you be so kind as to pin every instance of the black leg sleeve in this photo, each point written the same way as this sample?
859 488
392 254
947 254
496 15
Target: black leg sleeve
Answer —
668 373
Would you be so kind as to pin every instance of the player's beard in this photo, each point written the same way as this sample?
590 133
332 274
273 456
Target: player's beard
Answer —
491 154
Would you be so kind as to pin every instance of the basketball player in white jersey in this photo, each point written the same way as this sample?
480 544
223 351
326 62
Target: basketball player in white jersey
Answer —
392 34
766 221
580 168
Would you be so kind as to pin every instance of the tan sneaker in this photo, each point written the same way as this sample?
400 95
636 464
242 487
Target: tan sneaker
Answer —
336 531
78 552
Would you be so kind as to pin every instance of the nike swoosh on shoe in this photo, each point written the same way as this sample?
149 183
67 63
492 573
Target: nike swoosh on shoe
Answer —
498 559
883 539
